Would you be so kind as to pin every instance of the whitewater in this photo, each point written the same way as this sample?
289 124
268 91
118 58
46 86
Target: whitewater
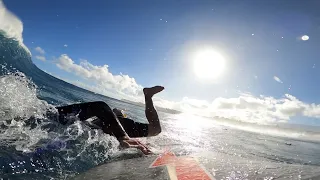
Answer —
34 146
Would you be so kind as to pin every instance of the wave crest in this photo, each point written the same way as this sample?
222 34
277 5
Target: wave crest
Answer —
11 25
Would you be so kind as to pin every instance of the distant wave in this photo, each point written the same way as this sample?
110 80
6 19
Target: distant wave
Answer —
298 132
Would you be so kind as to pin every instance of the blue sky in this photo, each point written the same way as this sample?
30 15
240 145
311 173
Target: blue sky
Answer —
153 42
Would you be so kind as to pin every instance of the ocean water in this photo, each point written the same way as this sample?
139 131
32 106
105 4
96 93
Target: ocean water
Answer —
34 146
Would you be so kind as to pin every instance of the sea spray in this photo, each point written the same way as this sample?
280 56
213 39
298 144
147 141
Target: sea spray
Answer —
30 131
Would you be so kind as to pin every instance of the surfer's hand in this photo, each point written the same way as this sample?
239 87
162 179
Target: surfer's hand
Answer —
134 143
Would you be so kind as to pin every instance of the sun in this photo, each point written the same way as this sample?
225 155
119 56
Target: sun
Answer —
208 64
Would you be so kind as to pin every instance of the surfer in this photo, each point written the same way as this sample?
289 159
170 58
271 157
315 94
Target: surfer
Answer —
114 122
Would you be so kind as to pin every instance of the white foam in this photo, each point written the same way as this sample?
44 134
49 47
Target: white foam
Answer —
18 98
18 101
11 25
91 137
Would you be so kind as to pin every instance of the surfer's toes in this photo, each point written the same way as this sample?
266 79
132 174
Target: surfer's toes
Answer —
153 90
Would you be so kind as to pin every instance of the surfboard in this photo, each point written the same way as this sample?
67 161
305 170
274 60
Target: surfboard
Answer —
200 166
164 166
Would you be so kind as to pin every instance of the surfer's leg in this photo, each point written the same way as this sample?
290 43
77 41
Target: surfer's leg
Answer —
100 109
154 127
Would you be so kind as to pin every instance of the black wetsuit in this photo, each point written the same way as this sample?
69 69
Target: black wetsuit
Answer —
108 121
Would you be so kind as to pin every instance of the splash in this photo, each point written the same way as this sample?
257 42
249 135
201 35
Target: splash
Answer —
30 132
19 98
18 102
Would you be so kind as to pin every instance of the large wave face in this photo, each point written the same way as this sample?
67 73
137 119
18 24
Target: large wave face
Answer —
15 58
32 143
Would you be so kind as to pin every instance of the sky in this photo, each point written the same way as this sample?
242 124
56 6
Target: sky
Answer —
270 51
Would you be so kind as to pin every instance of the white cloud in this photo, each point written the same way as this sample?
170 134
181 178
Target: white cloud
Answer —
277 79
66 45
312 110
100 76
41 58
39 50
246 107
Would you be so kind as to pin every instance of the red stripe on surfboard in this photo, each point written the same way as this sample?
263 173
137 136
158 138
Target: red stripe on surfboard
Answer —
187 168
164 159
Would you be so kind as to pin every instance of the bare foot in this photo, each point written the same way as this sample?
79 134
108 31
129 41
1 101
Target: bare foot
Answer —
152 91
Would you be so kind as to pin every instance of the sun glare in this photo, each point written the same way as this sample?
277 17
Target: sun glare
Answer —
208 64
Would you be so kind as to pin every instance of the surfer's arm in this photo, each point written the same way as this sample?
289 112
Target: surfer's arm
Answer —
134 129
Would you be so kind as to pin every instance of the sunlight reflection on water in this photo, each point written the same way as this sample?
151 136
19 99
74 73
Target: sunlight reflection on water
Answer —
191 130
